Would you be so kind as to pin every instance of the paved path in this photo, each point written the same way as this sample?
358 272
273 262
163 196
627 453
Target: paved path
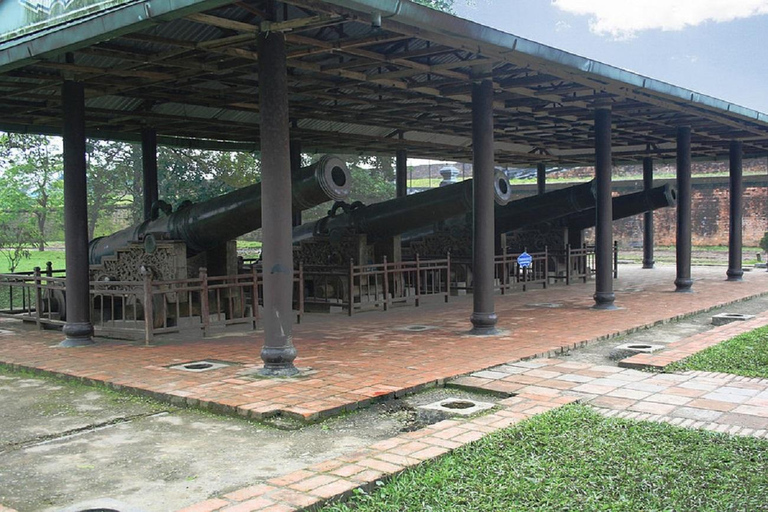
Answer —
370 356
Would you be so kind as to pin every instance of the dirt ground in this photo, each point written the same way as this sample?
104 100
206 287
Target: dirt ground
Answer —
64 444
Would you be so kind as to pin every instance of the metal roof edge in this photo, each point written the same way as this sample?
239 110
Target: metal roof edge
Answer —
425 18
95 28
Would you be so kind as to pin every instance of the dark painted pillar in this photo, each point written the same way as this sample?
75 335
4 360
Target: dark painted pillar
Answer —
295 146
483 314
401 173
278 352
78 328
149 167
541 178
683 281
648 216
737 205
604 296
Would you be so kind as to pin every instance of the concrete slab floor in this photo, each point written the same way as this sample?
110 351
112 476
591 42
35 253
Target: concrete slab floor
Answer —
62 443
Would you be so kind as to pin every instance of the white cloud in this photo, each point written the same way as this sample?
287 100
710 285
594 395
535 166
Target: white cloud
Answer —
622 19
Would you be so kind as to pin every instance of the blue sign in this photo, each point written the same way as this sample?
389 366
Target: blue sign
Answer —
524 260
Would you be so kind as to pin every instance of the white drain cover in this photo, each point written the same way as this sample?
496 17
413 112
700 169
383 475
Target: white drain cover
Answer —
460 406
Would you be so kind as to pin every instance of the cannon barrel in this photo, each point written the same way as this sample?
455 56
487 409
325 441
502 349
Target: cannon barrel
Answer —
628 205
208 224
545 207
396 216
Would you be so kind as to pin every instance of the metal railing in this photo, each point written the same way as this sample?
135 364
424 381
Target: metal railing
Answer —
358 287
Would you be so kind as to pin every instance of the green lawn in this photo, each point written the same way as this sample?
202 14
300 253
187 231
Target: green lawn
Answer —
573 459
36 259
746 354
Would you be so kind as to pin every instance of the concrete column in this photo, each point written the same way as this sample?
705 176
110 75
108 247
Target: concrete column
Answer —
735 271
78 328
604 296
648 216
278 352
541 178
149 168
295 146
683 282
483 314
401 173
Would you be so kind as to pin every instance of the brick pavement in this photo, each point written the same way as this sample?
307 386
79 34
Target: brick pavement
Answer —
694 399
686 347
368 357
357 361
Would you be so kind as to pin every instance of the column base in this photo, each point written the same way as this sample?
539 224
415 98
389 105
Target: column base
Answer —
683 285
604 300
78 334
648 264
278 361
483 324
735 274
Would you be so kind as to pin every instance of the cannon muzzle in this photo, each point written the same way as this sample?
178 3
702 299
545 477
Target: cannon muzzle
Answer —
396 216
628 205
208 224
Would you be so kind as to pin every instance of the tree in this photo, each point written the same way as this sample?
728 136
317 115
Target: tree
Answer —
110 179
440 5
33 165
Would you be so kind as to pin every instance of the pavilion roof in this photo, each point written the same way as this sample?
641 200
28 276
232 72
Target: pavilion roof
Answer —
188 68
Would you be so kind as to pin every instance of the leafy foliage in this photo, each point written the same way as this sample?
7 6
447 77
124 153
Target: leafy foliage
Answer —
32 180
573 459
440 5
746 354
764 242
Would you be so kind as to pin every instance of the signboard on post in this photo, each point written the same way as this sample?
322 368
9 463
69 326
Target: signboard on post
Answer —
524 260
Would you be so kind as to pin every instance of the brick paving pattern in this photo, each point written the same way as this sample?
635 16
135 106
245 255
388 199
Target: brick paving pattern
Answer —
686 347
355 361
369 357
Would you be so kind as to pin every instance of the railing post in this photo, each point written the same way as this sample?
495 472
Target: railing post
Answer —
38 298
49 269
149 316
301 292
386 286
546 266
204 305
418 280
568 264
504 270
351 286
255 295
447 275
615 259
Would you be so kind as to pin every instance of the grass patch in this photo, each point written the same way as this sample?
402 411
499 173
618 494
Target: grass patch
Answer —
573 459
746 354
36 259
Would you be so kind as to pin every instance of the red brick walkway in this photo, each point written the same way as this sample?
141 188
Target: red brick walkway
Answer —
356 360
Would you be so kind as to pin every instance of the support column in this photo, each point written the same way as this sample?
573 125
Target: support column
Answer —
149 167
541 178
483 314
78 328
683 282
295 148
401 173
737 207
604 296
648 216
278 352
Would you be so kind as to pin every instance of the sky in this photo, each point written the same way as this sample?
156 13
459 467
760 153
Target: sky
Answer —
714 47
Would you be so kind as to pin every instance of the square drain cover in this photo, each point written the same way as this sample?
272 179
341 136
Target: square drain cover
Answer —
460 406
415 328
199 366
726 318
